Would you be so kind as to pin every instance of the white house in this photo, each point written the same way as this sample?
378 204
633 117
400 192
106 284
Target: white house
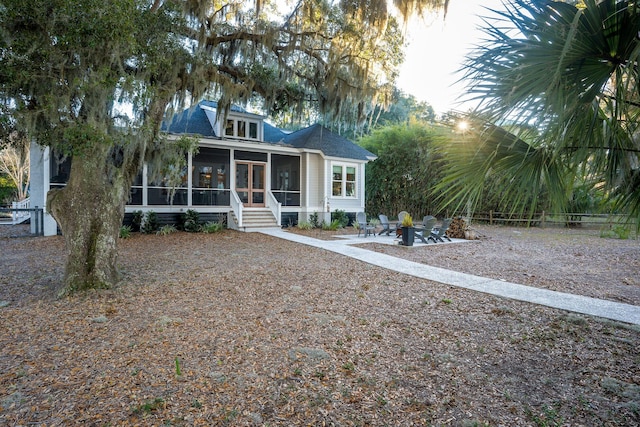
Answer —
246 171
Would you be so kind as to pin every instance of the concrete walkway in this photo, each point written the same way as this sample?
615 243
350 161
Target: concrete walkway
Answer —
575 303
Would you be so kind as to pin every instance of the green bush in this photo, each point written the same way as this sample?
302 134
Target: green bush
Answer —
7 190
150 223
618 231
304 225
166 230
340 216
191 221
213 227
313 220
125 232
136 221
333 225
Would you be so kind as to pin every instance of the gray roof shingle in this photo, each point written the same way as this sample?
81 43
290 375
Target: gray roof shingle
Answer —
194 121
318 137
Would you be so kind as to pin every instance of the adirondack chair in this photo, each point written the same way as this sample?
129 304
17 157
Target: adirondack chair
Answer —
363 225
386 227
438 233
428 222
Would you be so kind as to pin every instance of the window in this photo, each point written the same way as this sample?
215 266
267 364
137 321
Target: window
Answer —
253 130
241 129
59 170
350 182
229 128
343 183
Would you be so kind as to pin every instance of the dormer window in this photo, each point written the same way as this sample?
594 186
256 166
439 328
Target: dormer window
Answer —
253 130
229 128
241 128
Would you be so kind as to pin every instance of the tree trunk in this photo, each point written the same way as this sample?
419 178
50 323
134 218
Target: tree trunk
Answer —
89 211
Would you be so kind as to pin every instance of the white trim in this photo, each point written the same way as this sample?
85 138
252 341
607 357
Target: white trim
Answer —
343 190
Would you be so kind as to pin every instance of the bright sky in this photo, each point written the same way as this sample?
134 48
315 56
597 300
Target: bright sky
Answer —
436 51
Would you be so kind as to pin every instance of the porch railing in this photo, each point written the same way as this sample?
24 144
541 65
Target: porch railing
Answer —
274 206
35 214
236 206
20 211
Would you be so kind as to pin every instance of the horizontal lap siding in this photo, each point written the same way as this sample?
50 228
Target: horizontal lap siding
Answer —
174 218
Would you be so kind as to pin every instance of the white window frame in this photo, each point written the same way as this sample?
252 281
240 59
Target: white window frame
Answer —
343 181
247 126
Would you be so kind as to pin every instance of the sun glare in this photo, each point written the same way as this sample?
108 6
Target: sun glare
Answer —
462 126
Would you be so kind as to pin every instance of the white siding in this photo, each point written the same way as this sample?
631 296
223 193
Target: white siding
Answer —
39 185
316 178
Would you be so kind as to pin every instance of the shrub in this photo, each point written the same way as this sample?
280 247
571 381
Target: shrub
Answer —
407 221
166 229
125 232
150 223
213 227
333 225
136 221
304 225
192 221
340 216
618 231
313 220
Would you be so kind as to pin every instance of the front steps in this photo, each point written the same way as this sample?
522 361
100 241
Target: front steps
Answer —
253 219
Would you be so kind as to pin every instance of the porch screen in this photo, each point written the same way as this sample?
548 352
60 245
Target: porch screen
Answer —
210 177
285 179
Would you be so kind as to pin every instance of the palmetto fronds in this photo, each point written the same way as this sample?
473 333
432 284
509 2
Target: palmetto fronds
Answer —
569 73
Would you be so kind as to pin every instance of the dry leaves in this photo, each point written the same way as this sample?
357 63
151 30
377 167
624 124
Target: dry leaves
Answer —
244 329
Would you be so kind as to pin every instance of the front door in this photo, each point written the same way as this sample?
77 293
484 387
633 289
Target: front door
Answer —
250 183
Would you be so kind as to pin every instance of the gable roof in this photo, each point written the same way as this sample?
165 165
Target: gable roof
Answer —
192 121
196 121
318 137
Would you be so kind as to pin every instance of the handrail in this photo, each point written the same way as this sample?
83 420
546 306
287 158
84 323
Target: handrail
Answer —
19 215
274 206
236 206
35 214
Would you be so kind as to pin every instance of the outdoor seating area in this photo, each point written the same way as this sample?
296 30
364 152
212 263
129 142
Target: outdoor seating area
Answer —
430 230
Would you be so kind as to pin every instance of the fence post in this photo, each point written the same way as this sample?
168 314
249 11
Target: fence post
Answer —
39 214
543 219
490 217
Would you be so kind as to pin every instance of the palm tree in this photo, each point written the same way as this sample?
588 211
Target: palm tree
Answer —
558 105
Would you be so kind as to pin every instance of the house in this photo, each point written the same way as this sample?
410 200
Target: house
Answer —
246 172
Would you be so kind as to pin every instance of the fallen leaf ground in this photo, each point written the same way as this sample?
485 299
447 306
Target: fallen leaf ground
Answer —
248 330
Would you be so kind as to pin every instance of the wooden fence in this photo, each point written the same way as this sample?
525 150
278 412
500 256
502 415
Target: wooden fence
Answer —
544 219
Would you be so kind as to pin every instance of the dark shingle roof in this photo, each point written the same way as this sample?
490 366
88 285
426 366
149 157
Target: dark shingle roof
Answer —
318 137
272 134
194 121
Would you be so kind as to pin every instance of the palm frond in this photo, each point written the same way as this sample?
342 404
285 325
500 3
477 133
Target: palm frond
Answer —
525 167
572 74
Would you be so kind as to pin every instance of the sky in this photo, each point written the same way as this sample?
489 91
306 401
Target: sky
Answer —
437 49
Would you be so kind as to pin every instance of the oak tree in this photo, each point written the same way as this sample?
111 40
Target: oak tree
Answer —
71 69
